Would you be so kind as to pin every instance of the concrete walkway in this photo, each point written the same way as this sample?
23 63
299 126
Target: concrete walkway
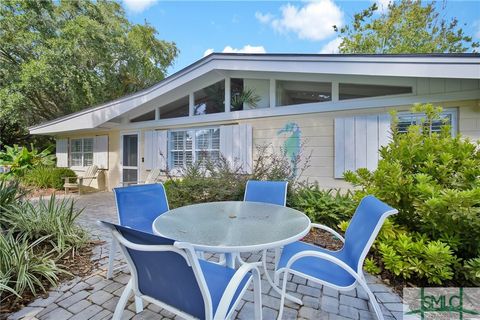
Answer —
95 297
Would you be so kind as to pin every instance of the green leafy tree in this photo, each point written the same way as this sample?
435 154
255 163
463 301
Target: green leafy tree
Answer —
408 26
58 57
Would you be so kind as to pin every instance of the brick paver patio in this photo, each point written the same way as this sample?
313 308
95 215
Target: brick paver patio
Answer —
95 297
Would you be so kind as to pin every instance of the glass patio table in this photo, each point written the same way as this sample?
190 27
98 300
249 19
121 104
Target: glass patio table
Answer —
232 227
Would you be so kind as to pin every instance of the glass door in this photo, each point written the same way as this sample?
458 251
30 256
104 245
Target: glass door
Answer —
130 159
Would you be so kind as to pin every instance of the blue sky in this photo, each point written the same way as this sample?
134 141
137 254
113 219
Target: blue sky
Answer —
200 27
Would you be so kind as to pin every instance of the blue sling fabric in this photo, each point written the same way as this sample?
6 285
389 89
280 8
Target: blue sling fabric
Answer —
139 205
273 192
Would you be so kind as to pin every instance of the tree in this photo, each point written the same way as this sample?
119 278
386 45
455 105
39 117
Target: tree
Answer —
408 26
58 57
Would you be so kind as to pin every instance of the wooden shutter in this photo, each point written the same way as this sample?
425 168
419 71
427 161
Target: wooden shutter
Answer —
62 152
100 151
155 149
236 145
358 140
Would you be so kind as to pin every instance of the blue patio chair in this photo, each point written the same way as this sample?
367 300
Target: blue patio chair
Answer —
170 275
273 192
342 269
137 207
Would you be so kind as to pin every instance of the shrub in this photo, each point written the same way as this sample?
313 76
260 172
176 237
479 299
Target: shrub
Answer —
10 194
25 265
47 177
471 271
328 207
433 180
20 159
223 181
52 218
410 255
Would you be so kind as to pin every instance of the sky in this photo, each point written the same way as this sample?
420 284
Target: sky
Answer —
201 27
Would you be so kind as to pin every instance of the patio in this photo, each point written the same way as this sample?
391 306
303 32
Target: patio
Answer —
95 297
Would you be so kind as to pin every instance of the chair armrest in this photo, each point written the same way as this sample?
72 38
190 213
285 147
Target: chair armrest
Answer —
328 229
88 177
324 256
67 179
232 287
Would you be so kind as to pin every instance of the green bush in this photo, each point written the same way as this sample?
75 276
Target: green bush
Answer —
20 159
52 218
10 194
433 180
47 177
222 181
328 207
25 265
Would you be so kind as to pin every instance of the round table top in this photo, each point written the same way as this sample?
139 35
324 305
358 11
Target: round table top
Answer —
233 226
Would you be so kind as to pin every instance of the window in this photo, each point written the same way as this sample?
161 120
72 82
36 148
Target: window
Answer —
299 92
175 109
405 120
249 94
210 99
81 152
187 146
145 117
355 91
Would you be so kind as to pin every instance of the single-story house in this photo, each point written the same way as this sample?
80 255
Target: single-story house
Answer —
338 105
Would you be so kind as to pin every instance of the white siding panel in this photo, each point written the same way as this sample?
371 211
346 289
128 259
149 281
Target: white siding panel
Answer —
62 152
372 142
160 160
236 145
349 143
339 147
360 142
148 150
384 134
100 151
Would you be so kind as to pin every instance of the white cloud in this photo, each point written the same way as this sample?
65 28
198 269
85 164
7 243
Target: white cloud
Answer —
263 18
476 26
207 52
382 5
246 49
331 46
313 21
138 6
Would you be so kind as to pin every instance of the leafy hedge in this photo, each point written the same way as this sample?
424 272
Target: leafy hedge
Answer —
433 179
47 177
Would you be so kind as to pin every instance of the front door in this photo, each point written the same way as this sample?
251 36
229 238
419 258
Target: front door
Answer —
130 159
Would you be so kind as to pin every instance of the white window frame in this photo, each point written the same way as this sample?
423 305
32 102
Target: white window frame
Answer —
70 152
452 112
194 145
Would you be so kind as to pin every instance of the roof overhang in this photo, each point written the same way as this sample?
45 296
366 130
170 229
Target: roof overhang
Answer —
453 66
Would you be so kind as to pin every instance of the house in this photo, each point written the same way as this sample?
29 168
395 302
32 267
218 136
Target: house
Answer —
229 103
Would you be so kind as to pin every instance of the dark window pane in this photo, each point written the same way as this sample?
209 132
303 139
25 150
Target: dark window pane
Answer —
355 91
130 176
299 92
130 150
210 99
236 89
145 117
175 109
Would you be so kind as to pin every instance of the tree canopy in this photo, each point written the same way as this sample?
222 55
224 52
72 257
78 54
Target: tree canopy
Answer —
58 57
408 26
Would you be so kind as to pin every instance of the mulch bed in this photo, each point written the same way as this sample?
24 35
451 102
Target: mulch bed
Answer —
35 193
78 264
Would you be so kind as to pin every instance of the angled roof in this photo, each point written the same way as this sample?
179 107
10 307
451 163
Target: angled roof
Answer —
455 66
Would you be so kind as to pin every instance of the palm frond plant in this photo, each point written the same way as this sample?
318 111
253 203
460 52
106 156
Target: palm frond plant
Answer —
25 266
246 96
53 218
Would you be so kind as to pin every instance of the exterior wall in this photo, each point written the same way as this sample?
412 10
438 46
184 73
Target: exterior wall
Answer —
316 131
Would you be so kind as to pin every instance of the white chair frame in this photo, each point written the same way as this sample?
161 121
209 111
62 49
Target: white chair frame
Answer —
358 275
188 253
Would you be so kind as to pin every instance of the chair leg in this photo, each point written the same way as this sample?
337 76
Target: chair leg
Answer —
373 300
111 258
138 304
282 296
257 295
122 303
